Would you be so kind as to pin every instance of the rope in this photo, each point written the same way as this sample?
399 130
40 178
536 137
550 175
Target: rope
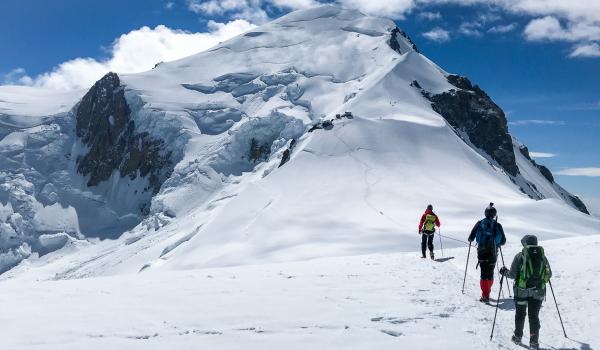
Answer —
454 239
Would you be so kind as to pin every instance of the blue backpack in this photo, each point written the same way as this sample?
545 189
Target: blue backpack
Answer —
487 233
488 238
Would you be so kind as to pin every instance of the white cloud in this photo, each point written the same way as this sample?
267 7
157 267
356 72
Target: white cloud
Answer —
136 51
591 172
574 10
488 17
470 28
536 122
437 34
586 50
542 155
387 8
503 28
250 10
550 28
430 16
294 4
17 76
169 5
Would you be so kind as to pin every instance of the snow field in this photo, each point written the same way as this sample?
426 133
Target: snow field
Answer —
361 302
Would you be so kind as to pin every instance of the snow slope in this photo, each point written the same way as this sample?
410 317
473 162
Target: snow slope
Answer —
227 115
362 302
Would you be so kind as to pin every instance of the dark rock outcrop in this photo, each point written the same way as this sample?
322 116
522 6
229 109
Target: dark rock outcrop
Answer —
578 203
394 40
525 152
287 153
470 110
545 171
105 126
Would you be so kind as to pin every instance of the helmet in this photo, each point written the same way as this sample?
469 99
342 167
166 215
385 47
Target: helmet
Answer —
490 211
529 240
429 207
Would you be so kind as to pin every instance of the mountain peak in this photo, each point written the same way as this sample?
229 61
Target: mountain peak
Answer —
325 127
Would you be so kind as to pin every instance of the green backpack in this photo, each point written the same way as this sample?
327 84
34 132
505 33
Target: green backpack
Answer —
534 272
429 224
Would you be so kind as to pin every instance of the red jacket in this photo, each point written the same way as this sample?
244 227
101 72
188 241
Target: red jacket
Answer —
437 220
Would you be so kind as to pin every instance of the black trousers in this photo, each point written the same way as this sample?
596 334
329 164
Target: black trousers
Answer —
487 270
534 306
426 242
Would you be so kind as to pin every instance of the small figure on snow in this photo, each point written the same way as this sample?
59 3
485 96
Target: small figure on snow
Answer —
426 229
531 271
489 236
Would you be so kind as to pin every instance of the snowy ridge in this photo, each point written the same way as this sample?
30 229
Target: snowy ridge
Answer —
354 185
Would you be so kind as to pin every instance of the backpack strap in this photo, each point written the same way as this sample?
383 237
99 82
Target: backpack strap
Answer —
522 282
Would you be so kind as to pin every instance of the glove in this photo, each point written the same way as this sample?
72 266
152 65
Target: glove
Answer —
420 231
504 271
470 240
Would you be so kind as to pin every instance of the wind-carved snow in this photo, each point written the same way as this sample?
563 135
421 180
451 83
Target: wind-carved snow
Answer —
229 116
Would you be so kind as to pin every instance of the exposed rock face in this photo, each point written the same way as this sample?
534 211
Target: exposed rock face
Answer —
471 110
394 40
105 126
287 153
577 202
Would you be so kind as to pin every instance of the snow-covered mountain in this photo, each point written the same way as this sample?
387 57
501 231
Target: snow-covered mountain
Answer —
322 133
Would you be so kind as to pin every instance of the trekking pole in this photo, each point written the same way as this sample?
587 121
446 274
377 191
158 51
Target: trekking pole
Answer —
465 279
441 246
557 310
497 303
507 281
501 291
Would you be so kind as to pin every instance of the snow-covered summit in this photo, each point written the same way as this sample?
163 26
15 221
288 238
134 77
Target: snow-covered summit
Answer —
245 153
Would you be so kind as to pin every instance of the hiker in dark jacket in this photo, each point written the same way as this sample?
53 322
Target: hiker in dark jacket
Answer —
426 229
489 235
531 271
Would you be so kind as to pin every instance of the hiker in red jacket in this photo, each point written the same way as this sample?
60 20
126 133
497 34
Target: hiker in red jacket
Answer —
426 229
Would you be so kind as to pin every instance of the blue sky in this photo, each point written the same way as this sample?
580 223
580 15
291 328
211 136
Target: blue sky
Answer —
538 59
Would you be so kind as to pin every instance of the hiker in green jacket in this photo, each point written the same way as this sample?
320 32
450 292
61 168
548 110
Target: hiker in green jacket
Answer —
531 271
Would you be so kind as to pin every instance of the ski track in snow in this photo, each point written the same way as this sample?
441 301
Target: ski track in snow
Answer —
361 302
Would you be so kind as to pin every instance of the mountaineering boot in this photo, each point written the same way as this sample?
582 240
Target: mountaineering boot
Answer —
424 257
534 345
516 340
431 255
